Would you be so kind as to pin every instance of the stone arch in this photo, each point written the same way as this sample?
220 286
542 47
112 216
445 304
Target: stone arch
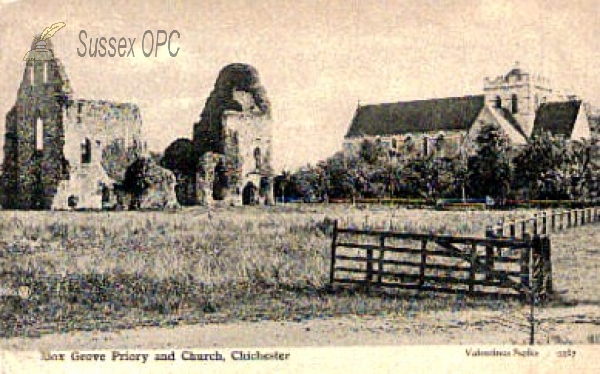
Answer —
249 194
220 181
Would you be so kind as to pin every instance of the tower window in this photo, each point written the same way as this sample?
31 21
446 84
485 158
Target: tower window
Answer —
39 134
45 72
86 151
515 104
32 74
498 102
79 109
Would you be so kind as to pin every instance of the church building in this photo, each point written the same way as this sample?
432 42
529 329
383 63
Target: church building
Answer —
519 103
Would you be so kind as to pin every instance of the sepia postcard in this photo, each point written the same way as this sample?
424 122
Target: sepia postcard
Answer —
299 186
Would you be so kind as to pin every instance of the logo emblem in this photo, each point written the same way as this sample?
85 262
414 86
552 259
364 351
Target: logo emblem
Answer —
41 52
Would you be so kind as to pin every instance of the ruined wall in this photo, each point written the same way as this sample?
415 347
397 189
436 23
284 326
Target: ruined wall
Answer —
236 122
34 138
57 148
102 139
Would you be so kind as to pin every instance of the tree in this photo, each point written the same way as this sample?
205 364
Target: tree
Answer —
582 170
370 151
180 158
490 169
542 166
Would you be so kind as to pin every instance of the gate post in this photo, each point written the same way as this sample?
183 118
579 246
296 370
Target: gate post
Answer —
547 258
333 247
525 262
423 266
489 254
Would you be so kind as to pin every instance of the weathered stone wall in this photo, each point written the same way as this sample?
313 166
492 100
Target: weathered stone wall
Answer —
236 123
34 139
47 135
101 140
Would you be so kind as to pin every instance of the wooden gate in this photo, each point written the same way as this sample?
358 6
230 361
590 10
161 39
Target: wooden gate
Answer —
440 263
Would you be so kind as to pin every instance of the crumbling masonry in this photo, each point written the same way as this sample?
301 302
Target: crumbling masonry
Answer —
63 153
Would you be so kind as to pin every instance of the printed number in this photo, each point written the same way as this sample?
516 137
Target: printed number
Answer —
566 353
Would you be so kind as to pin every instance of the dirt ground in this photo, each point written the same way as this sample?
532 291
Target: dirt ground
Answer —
578 325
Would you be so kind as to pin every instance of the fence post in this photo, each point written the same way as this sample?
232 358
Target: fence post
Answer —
547 258
489 253
576 222
553 221
589 215
544 223
423 266
523 228
472 268
333 248
381 255
569 219
513 229
535 224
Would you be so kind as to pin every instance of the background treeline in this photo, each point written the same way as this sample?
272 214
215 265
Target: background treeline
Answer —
545 168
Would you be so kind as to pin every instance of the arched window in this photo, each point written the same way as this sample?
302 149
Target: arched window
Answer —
86 151
498 102
515 103
439 141
39 134
257 157
409 144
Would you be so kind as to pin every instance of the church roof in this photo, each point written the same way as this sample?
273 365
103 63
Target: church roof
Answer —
557 118
445 114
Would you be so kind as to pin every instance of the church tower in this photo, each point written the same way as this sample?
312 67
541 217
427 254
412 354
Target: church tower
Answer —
519 93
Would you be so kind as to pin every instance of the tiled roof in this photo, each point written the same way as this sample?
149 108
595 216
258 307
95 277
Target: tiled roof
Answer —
455 113
557 118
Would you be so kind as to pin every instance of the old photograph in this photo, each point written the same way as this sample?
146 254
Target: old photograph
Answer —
289 186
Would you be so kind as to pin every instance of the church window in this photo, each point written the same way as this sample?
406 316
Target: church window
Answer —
86 151
515 103
498 102
39 134
257 157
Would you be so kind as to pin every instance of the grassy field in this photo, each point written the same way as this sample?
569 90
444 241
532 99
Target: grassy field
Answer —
101 270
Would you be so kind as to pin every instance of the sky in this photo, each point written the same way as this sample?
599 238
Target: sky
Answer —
316 59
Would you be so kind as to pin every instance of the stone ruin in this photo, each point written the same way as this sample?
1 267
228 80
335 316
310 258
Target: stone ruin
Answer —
65 153
232 145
